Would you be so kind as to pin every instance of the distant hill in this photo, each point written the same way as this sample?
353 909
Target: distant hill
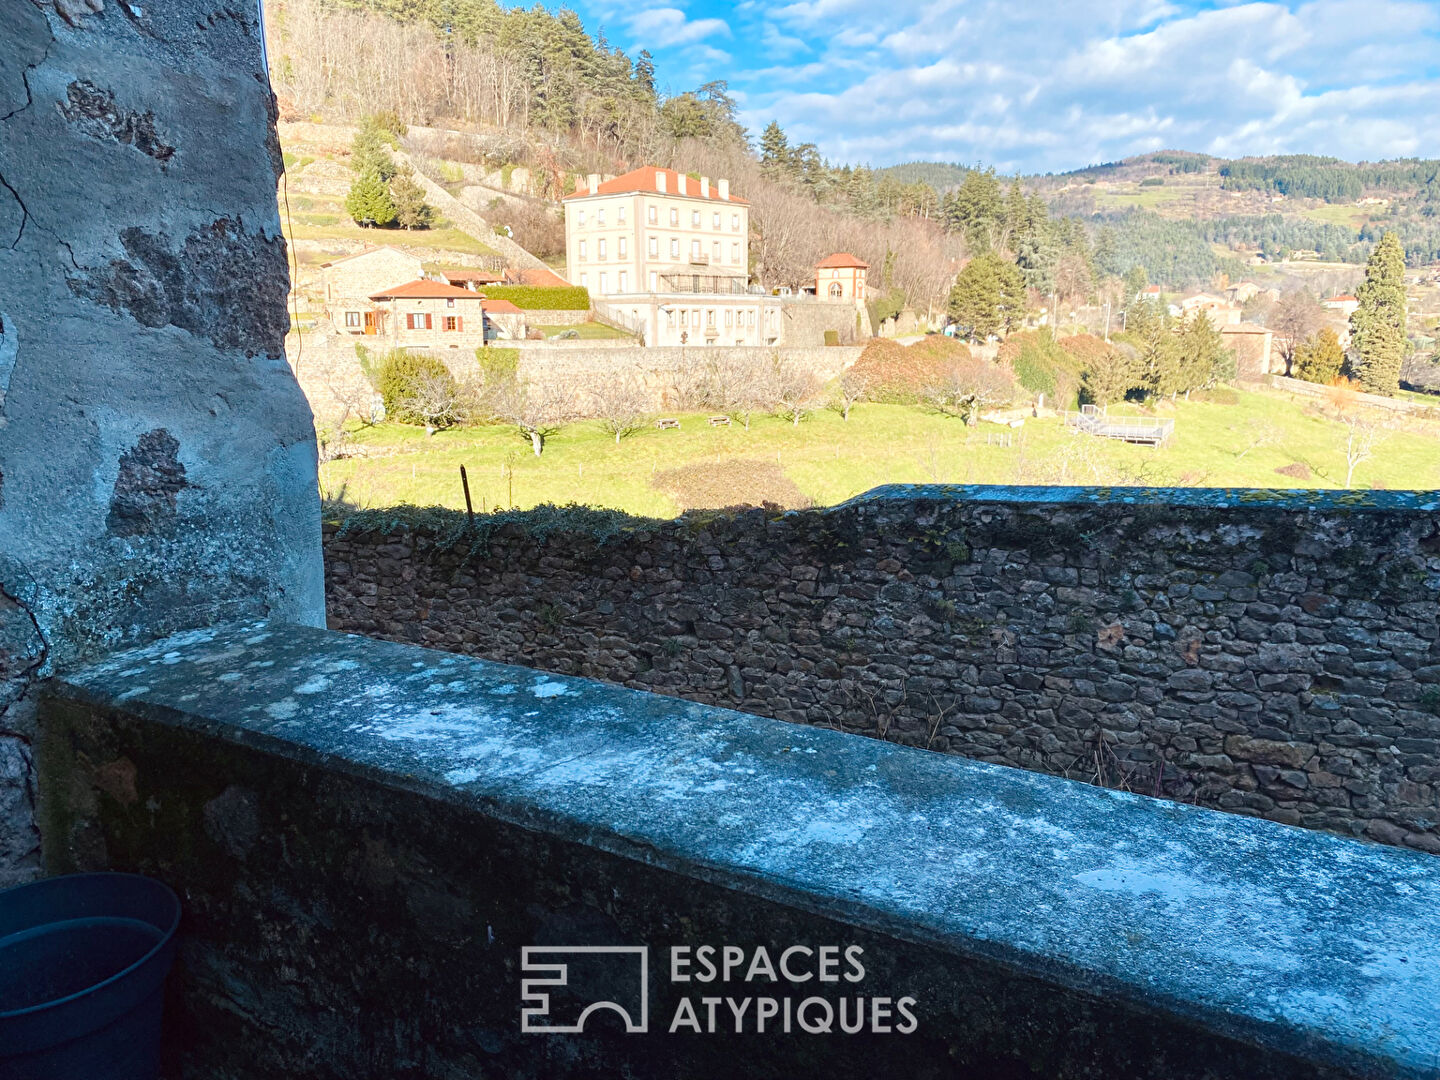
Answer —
940 175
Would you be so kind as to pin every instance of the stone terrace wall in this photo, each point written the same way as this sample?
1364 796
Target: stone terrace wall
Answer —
1269 655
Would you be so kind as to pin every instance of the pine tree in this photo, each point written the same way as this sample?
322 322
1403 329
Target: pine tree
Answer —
988 296
1377 326
775 151
369 202
370 151
1319 358
975 298
408 197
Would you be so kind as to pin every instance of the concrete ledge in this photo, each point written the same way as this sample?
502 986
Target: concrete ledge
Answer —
1271 951
1273 498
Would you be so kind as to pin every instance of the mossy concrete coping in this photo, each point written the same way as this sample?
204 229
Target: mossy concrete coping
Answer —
1278 498
1296 941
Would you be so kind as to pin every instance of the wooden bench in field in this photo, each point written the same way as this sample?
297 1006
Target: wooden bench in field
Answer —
667 422
719 421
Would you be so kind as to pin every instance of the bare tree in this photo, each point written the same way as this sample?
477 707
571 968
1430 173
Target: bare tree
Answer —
793 389
439 401
535 411
1255 434
966 388
849 388
621 404
1294 318
1362 434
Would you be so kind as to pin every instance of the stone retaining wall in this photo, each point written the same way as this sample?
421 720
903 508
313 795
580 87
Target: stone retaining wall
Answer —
1266 653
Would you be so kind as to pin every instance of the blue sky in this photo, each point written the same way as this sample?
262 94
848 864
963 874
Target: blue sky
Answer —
1055 85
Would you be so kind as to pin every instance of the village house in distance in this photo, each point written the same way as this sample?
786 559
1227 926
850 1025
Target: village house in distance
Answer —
671 252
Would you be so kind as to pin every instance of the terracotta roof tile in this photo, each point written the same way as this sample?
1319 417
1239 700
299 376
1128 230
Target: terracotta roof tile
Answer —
424 290
643 179
839 261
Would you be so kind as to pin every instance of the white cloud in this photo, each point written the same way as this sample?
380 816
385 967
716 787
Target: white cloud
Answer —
1058 84
666 27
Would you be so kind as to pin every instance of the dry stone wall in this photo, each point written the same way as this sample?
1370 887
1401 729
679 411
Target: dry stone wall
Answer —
1265 653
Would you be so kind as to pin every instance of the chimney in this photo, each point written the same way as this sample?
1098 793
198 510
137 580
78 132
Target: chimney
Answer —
705 186
660 181
680 185
724 189
594 181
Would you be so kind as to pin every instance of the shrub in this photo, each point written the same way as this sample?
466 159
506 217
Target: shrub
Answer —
1042 366
399 378
1152 181
542 297
832 337
897 375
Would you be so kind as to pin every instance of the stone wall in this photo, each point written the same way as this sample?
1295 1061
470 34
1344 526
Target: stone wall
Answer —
1266 653
369 837
157 461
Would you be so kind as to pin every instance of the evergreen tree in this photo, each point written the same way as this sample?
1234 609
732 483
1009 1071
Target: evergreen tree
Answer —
1201 358
1136 279
370 152
775 151
988 296
1377 327
1319 358
645 73
369 202
408 197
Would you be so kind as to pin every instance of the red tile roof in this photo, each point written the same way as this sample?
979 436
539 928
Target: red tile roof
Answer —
499 307
1341 299
539 276
839 261
425 290
483 276
643 179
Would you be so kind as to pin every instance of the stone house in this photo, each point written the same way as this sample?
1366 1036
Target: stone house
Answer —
429 315
347 284
1254 349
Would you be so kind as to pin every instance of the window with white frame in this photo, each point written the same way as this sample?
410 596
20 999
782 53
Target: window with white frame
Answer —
600 248
654 281
580 217
751 318
624 281
729 317
695 250
622 246
674 216
582 249
674 247
652 214
709 316
352 318
620 215
694 219
735 252
734 222
600 216
715 250
715 222
584 280
653 246
604 284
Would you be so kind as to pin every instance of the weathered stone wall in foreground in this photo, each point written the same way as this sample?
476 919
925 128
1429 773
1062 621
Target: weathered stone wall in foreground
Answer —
1269 654
157 460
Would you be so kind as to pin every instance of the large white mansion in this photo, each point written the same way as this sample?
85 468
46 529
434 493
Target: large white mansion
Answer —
670 253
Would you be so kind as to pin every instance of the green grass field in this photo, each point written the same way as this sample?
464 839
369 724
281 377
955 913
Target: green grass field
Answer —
1352 217
590 331
830 459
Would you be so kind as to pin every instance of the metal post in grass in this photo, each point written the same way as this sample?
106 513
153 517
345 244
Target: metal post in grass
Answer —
469 508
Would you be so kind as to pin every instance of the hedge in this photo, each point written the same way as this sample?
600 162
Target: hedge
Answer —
541 297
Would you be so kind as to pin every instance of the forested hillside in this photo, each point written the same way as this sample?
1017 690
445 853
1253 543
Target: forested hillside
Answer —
528 87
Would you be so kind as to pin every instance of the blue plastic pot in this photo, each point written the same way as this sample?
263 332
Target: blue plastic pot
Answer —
83 961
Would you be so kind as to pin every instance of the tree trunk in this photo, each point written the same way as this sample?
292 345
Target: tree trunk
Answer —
537 441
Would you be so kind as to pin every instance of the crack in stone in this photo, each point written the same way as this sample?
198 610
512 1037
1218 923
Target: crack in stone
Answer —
24 212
